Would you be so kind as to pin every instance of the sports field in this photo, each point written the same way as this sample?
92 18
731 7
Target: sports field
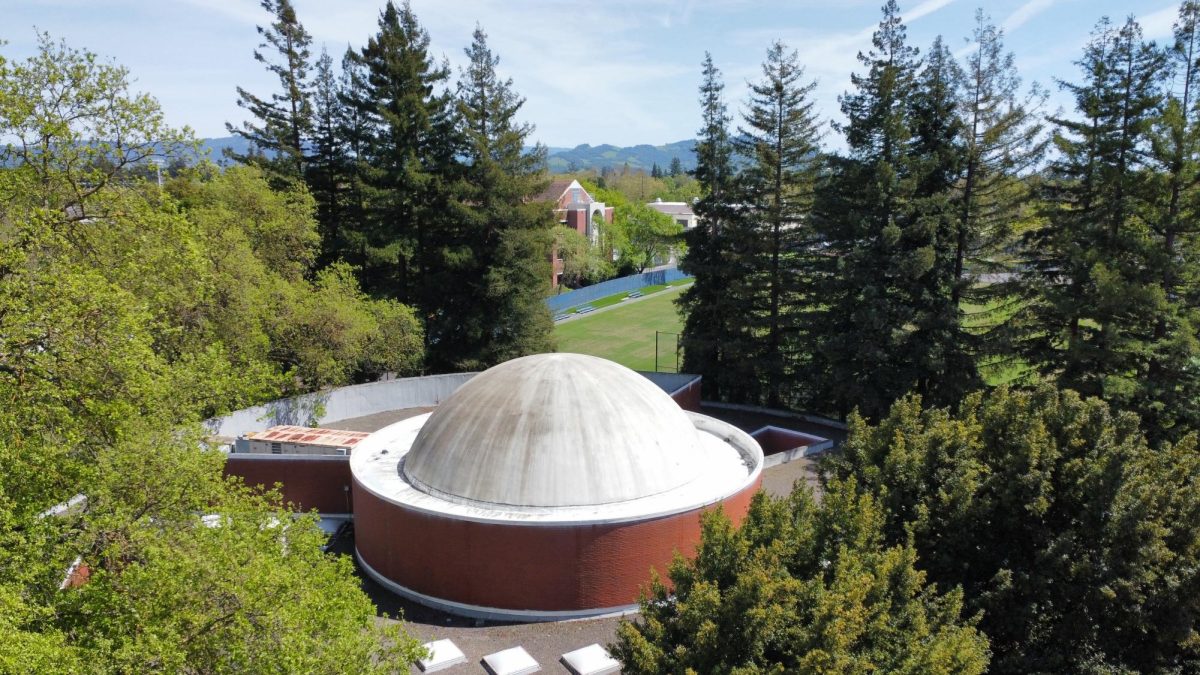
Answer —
625 333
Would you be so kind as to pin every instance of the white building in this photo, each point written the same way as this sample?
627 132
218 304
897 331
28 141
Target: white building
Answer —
681 212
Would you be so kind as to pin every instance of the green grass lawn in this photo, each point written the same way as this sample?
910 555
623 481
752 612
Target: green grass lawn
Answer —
624 334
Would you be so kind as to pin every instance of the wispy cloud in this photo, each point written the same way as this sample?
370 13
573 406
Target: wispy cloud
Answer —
1024 13
925 9
1160 24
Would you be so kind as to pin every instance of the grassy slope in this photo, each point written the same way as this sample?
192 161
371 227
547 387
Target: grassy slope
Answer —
624 334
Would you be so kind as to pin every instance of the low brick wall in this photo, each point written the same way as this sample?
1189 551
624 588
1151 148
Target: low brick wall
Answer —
312 482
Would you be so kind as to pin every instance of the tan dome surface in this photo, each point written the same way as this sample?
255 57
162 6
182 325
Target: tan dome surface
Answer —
554 430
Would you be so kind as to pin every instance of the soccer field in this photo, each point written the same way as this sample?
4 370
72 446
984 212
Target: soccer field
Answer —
625 333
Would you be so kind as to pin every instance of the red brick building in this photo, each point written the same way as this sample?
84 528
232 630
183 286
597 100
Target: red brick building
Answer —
544 488
574 208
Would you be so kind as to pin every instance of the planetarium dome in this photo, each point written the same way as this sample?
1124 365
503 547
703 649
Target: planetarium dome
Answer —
554 430
544 488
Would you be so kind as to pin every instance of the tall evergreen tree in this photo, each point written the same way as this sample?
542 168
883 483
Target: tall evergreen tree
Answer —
1169 397
781 141
326 172
710 329
355 130
1093 298
939 351
676 169
1004 144
493 309
283 120
406 154
864 208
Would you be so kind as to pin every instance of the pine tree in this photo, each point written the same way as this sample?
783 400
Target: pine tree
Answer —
676 168
1094 300
655 172
327 169
356 132
781 139
939 352
284 119
864 207
407 151
709 327
494 309
1169 400
1004 145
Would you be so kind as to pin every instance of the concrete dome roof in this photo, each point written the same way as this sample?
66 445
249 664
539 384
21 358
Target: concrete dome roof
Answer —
554 430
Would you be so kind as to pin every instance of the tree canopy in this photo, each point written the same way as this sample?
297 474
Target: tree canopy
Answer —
128 313
800 587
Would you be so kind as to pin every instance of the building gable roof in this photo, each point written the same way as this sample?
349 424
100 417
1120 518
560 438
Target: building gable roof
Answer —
558 188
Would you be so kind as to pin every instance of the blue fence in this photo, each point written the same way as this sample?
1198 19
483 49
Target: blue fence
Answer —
603 289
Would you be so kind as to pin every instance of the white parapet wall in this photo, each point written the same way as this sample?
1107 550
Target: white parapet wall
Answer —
339 404
369 399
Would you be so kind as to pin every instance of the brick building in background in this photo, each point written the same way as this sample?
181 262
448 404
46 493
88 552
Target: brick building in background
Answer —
574 208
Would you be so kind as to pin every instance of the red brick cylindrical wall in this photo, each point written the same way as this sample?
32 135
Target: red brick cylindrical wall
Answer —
523 567
688 397
310 481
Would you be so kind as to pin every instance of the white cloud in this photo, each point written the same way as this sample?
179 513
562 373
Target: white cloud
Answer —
924 9
1160 24
1024 13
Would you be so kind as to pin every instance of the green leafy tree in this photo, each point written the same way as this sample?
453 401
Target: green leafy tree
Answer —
646 236
800 587
1065 530
583 263
282 121
118 334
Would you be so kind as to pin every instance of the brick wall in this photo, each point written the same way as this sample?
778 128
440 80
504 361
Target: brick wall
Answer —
311 482
523 567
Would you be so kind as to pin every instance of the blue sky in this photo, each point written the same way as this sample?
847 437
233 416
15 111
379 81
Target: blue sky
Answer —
607 71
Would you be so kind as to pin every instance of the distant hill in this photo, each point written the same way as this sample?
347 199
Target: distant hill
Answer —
214 148
637 157
560 160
